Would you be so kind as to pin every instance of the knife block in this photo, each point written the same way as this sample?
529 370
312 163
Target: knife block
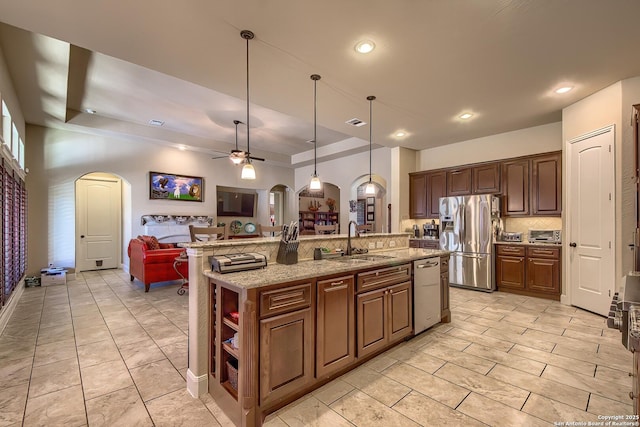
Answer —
288 252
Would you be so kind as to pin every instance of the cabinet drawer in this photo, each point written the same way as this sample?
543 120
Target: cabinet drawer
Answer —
383 277
537 252
444 264
285 299
511 250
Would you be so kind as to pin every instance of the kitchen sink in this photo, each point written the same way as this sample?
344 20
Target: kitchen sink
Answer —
355 259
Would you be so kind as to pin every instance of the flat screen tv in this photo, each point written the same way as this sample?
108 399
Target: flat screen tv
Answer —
231 203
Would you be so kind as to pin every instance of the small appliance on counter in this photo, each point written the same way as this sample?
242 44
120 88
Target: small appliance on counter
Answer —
511 236
431 231
416 231
237 262
545 236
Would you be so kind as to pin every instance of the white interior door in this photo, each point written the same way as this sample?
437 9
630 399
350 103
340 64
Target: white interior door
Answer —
98 212
591 220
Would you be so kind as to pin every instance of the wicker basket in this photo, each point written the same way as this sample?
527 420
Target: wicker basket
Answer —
232 373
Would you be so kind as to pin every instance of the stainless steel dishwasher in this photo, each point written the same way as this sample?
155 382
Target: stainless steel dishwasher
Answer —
426 293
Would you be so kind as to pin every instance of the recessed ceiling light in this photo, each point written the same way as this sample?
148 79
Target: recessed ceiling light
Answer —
400 134
465 116
563 89
182 147
365 46
154 122
89 111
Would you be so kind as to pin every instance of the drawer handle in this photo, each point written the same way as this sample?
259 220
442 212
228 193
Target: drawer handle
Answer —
543 251
341 282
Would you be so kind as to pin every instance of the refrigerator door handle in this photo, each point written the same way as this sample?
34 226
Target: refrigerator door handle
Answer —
471 256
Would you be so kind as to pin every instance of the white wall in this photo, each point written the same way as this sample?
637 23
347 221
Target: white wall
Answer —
343 172
522 142
57 158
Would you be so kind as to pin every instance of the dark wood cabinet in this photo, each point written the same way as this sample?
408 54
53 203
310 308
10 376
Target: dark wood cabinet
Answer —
445 311
372 321
515 187
546 185
436 188
286 354
459 182
418 195
510 267
424 243
486 178
529 270
530 185
335 327
543 270
400 316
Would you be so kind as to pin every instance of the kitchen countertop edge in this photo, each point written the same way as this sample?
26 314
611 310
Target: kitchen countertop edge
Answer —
275 273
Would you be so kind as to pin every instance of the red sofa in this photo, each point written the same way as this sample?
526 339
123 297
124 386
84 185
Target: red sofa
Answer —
150 261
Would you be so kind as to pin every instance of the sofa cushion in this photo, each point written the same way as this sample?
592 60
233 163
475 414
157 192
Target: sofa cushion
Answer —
150 241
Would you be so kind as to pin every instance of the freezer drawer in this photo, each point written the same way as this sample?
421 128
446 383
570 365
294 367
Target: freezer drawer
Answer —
471 271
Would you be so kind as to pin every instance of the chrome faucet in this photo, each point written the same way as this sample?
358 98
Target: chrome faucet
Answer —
349 248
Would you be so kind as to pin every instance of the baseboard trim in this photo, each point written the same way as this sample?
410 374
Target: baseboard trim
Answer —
8 309
197 385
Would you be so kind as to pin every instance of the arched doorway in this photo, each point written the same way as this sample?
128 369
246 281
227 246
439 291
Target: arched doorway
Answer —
98 221
320 207
278 204
367 208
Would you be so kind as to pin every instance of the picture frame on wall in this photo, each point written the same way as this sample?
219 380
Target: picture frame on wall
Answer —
168 186
370 208
370 217
371 200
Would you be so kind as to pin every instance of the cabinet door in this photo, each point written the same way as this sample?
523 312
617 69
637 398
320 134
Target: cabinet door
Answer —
286 354
418 195
436 188
546 187
486 178
371 321
399 306
335 334
543 275
459 182
510 272
515 187
444 297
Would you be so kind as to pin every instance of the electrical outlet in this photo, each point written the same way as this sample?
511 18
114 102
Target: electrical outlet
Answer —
392 244
379 245
372 245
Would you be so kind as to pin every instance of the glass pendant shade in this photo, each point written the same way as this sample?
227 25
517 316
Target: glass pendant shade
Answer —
236 160
248 172
370 189
315 183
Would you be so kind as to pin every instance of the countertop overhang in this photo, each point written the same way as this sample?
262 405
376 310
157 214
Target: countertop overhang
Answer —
276 273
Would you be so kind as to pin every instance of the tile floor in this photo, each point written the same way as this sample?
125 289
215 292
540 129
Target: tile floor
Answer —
101 352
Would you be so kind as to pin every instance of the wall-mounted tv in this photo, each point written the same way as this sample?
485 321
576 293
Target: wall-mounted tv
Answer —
235 203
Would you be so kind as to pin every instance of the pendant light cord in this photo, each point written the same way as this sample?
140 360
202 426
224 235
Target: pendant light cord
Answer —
247 35
370 99
315 78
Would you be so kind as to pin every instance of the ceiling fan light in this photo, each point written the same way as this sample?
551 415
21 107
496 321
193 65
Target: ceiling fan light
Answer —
370 189
248 171
315 183
236 160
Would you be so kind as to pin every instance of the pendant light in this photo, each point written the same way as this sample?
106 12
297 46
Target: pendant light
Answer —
315 183
248 172
371 188
237 156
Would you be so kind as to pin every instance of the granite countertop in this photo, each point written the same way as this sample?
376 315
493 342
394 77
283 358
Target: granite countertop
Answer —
280 273
552 245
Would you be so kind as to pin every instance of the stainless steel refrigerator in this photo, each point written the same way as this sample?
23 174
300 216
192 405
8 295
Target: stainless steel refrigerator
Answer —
467 229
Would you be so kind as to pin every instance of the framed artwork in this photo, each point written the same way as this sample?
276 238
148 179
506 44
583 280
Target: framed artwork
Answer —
370 208
167 186
370 217
371 200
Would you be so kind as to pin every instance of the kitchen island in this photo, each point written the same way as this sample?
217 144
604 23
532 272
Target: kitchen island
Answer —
259 339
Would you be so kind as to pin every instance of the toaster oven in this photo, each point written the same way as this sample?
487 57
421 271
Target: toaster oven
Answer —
545 236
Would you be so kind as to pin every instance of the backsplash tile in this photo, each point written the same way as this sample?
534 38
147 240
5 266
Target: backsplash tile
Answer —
523 225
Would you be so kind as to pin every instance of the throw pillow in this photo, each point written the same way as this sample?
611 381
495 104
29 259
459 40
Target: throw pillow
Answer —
151 242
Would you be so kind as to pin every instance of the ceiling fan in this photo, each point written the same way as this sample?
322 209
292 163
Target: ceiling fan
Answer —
238 156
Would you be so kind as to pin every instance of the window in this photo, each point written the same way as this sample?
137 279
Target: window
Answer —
6 125
21 159
15 144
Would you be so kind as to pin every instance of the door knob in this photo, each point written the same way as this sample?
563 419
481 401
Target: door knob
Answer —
82 236
573 244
